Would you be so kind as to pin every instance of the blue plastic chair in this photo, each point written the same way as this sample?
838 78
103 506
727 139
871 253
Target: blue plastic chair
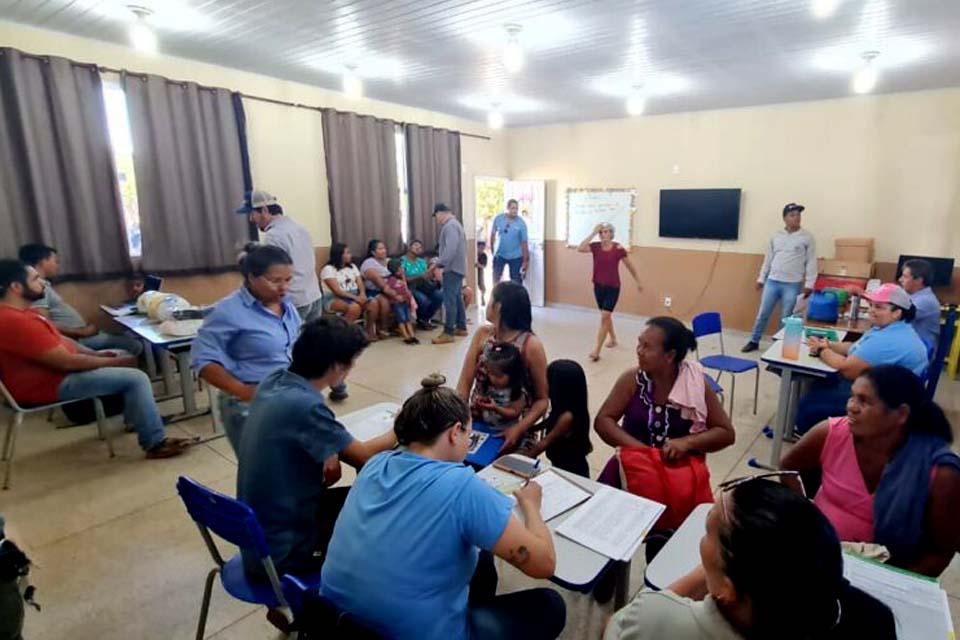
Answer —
943 348
708 324
236 523
713 384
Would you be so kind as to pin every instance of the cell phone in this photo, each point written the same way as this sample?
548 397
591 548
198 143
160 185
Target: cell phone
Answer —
516 465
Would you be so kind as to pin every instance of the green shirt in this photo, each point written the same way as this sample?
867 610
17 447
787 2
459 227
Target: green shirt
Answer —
414 269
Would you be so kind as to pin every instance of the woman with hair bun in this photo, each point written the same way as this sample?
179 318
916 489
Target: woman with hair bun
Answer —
411 552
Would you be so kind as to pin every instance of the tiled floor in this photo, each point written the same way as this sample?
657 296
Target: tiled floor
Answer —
117 557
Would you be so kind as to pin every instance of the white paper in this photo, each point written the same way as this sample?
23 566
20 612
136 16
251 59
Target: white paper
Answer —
477 438
118 312
505 483
559 494
919 605
367 427
611 522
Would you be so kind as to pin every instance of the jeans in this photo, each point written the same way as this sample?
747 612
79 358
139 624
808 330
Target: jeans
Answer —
773 292
533 614
428 303
455 316
139 409
515 264
827 399
107 341
307 313
233 414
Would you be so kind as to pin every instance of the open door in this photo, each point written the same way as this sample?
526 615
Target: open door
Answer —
532 197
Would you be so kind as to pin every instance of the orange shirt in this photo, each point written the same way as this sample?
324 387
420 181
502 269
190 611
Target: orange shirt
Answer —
24 335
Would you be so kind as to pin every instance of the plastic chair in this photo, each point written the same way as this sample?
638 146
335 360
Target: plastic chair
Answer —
236 523
322 614
16 419
713 384
708 324
946 340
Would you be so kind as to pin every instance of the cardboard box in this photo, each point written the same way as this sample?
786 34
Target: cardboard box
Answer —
845 268
853 249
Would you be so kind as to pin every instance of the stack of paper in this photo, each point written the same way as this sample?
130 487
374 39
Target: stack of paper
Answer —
612 523
919 605
559 494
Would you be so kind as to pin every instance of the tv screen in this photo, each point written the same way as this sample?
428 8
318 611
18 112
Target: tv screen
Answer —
713 214
942 269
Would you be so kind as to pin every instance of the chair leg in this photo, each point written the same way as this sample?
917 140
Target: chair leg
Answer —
10 446
205 605
733 392
102 430
756 391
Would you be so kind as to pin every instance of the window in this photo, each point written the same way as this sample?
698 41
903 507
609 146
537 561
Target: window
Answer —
120 139
401 140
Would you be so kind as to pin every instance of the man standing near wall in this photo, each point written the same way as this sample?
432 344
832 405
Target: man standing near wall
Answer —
263 210
789 266
513 249
453 261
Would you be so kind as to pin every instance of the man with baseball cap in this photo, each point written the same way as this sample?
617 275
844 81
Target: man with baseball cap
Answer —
263 210
891 340
453 260
789 266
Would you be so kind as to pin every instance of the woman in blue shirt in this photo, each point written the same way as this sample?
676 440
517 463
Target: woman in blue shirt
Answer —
411 556
889 341
249 334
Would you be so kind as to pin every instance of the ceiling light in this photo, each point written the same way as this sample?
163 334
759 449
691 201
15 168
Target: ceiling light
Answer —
352 85
865 79
823 9
142 37
512 51
495 117
637 101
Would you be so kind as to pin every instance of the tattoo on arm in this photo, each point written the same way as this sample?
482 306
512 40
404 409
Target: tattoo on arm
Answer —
521 556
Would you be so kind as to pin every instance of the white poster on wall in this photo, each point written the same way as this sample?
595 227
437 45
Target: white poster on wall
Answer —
586 208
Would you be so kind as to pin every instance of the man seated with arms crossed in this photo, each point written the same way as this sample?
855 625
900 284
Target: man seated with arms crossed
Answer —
67 319
40 366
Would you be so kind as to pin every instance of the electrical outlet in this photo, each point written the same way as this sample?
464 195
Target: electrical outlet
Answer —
667 301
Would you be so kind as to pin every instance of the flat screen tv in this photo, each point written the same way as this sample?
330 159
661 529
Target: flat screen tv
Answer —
942 269
713 214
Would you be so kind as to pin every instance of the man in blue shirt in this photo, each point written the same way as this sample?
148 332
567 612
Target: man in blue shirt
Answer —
513 249
915 278
291 445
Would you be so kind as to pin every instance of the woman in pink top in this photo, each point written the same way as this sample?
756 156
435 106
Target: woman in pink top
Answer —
887 472
607 256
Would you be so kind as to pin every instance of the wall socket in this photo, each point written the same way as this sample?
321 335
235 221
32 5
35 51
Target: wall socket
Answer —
667 301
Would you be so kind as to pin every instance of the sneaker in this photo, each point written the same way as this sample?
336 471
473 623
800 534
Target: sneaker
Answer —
169 448
338 396
443 338
461 332
750 346
410 341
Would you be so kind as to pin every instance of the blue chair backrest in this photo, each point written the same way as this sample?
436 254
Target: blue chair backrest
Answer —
707 324
230 519
943 348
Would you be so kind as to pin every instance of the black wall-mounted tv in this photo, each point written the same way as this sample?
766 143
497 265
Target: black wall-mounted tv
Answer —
942 269
713 214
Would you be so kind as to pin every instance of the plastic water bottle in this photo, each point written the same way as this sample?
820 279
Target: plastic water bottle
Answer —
855 309
792 337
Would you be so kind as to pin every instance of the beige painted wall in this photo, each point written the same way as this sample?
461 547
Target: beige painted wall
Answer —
285 143
885 166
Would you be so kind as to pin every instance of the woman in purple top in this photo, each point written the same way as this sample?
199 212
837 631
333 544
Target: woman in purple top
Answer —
640 395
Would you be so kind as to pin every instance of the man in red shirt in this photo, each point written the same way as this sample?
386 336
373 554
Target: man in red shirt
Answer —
38 365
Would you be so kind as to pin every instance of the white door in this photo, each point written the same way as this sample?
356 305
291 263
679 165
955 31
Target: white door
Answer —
532 198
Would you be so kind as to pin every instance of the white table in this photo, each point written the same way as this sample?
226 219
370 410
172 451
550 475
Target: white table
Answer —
681 554
792 372
841 333
178 347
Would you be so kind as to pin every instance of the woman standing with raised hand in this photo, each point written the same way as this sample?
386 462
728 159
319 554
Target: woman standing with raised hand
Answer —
607 256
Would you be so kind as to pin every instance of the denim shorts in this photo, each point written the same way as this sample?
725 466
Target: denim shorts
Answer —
401 312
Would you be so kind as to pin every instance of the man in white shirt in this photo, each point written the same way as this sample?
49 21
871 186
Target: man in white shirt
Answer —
263 210
789 267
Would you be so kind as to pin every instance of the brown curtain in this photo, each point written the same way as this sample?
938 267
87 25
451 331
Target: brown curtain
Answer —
361 157
433 170
189 168
58 185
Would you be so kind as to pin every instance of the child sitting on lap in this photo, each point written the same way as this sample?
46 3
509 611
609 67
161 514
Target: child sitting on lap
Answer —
505 400
404 308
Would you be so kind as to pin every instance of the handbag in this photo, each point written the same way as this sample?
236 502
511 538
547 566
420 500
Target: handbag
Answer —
680 485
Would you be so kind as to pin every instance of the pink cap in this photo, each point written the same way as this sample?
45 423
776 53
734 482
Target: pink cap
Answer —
890 293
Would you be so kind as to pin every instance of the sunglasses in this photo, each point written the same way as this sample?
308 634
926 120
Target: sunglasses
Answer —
730 485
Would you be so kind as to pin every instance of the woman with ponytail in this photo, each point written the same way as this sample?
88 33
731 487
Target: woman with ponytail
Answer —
771 567
411 552
888 475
